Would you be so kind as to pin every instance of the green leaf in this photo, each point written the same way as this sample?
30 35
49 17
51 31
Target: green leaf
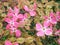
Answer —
21 40
49 40
12 39
29 40
39 0
58 25
30 32
4 38
32 24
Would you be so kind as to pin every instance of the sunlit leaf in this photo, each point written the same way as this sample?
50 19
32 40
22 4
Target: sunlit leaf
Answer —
29 40
20 40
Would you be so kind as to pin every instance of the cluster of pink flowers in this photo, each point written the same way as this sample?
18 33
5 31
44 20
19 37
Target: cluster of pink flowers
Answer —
14 19
7 42
47 27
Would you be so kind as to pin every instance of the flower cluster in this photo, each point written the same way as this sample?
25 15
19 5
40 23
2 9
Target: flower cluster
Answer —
14 19
47 27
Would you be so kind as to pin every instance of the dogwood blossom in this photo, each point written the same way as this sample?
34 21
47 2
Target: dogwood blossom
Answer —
32 12
51 19
11 22
43 30
15 31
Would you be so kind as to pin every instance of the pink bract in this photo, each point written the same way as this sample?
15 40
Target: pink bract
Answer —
15 43
32 13
18 33
38 27
40 33
15 10
26 8
48 31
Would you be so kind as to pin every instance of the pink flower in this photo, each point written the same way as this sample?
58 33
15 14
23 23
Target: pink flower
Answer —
11 22
26 8
13 18
51 19
13 30
15 10
13 13
43 30
7 42
16 31
32 12
57 33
